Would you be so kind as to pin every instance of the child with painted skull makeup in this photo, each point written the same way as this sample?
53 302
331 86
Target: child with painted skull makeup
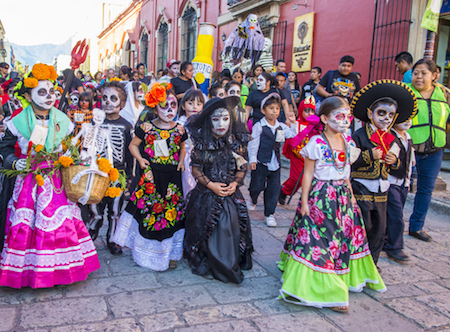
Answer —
326 253
264 155
218 239
83 114
114 98
380 105
74 99
152 224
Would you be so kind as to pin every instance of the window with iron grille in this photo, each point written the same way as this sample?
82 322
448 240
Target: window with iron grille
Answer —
277 33
143 47
189 34
163 45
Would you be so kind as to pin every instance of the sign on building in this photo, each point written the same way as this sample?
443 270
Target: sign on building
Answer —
303 42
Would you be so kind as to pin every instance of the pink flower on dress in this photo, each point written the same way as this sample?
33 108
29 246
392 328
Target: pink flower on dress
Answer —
331 193
150 152
347 226
303 236
298 253
338 263
316 253
176 157
315 233
333 248
163 223
141 204
290 239
344 247
312 201
316 215
179 214
343 200
358 236
133 197
329 265
319 185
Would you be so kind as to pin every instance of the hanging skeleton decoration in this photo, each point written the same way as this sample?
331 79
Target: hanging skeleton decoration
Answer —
95 141
246 41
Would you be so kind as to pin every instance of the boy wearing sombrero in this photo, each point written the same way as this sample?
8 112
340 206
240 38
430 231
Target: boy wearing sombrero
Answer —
380 105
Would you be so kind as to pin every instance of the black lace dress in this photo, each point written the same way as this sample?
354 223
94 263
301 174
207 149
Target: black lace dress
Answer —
218 238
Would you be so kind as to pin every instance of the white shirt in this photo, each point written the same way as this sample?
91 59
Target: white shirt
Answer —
317 149
395 180
253 145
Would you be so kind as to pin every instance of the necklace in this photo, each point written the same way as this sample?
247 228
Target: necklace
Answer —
335 164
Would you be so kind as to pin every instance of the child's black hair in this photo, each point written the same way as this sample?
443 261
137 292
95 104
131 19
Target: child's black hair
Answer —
213 90
87 96
271 101
191 94
230 84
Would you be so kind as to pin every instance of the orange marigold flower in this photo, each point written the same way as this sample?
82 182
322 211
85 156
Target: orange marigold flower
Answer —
53 74
30 82
104 165
38 148
56 163
113 192
156 95
114 175
169 86
65 161
41 71
39 180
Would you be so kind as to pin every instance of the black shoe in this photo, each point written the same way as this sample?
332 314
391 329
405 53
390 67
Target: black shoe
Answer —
115 249
398 257
379 269
421 235
282 197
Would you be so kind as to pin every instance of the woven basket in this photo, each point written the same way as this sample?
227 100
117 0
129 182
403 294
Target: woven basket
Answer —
76 191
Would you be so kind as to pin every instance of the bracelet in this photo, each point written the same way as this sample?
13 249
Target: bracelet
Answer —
14 165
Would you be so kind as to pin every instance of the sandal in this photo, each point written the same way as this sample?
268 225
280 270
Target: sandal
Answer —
172 264
342 310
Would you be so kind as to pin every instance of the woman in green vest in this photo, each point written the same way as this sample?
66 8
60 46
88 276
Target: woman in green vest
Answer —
428 133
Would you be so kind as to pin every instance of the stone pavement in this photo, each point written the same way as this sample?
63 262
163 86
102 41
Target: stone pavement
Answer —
122 296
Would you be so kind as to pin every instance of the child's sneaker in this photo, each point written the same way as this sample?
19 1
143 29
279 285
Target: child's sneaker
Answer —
270 221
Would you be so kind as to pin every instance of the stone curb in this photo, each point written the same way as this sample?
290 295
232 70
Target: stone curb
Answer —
436 205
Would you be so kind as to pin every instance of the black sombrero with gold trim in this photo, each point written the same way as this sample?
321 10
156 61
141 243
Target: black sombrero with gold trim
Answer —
399 91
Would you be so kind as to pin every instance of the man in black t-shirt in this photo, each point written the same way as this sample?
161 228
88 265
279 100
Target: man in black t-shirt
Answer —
341 82
309 87
281 79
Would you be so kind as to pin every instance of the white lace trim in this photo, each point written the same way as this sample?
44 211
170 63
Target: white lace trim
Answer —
152 254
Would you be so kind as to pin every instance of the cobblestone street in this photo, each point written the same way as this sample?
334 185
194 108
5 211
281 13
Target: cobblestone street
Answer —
122 296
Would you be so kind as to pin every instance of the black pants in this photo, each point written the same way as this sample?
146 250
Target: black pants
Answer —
114 206
373 208
268 181
395 224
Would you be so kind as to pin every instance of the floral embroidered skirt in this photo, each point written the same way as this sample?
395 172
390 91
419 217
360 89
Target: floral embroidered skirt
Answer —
46 242
326 254
152 224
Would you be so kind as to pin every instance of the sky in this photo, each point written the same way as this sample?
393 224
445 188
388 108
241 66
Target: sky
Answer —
34 22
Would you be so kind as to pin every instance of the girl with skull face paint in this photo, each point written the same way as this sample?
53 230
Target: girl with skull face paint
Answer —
74 100
218 240
83 114
326 253
152 224
49 225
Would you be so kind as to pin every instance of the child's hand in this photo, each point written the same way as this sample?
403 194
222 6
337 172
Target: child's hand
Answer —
220 189
305 210
377 153
291 117
252 166
180 167
231 188
144 163
390 158
354 202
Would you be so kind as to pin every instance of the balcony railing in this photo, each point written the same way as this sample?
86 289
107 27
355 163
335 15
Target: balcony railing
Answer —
234 2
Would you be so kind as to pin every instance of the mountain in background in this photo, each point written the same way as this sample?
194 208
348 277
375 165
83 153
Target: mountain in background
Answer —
45 53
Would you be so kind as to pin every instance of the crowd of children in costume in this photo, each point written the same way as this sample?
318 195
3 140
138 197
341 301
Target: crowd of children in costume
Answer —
185 162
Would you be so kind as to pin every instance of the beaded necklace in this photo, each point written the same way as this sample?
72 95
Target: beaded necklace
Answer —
340 170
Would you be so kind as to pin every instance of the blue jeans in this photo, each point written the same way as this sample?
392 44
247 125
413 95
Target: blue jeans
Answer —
428 167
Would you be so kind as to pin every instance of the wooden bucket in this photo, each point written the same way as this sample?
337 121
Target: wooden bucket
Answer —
76 191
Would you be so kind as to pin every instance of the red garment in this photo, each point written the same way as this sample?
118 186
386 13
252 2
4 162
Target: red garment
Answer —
295 170
383 139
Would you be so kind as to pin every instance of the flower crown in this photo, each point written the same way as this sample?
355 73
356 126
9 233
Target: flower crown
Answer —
40 72
157 94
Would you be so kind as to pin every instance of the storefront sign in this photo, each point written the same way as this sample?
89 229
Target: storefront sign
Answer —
303 42
430 19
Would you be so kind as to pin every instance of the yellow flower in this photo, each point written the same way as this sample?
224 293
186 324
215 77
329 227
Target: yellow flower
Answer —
114 175
113 192
152 220
165 134
39 180
139 193
164 158
38 148
171 214
104 165
30 82
65 161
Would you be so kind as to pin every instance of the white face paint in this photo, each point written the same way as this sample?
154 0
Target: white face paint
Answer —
111 101
174 70
74 100
252 18
11 93
58 94
220 121
340 119
139 94
383 115
234 91
261 83
404 125
98 116
43 96
167 113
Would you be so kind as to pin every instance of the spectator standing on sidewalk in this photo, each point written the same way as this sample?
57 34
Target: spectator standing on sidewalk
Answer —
404 64
309 88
